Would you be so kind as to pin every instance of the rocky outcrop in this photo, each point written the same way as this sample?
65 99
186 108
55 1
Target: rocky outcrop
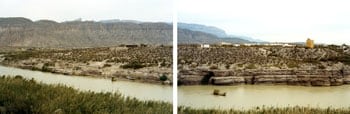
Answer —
289 77
222 65
263 56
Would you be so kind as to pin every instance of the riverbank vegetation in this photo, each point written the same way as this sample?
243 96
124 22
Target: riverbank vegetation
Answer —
22 96
265 57
141 63
152 56
267 110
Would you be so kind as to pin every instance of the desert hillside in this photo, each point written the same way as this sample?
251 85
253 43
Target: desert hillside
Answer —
46 33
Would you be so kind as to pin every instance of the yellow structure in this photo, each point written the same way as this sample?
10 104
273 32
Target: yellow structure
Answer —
309 43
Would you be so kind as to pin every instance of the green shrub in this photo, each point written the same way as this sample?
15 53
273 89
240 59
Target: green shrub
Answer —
21 96
227 66
163 64
240 65
163 78
321 67
35 68
132 65
106 65
46 68
251 66
20 55
49 64
18 77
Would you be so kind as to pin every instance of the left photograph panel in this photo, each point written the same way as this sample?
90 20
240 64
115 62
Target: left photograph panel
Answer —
86 56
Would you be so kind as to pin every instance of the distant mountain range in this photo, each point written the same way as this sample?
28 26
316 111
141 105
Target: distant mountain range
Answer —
119 21
46 33
214 31
202 28
186 36
23 32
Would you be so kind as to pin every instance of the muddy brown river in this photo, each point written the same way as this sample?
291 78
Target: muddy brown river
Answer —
142 91
238 96
250 96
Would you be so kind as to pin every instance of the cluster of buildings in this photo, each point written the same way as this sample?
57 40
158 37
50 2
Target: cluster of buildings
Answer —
226 44
309 44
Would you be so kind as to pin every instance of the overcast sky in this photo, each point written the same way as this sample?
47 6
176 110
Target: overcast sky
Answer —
325 21
63 10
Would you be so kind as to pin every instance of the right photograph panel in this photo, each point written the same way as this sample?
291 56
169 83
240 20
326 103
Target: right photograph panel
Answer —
253 56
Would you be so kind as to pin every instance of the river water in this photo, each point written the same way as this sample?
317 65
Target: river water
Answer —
238 96
142 91
250 96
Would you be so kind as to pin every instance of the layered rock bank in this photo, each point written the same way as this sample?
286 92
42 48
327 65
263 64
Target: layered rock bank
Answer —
150 64
321 66
289 77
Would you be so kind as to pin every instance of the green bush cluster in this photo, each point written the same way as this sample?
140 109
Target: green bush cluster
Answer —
251 66
107 65
45 67
21 96
163 78
15 56
344 59
153 55
133 65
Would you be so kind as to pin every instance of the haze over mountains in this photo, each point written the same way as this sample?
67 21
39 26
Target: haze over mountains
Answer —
186 36
215 31
23 32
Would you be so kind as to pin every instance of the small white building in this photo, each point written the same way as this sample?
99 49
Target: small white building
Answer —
288 45
246 44
225 43
205 46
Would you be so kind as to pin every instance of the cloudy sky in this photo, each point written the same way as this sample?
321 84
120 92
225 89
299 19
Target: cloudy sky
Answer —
325 21
63 10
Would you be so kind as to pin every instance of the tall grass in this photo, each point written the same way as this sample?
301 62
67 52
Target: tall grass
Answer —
18 95
267 110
